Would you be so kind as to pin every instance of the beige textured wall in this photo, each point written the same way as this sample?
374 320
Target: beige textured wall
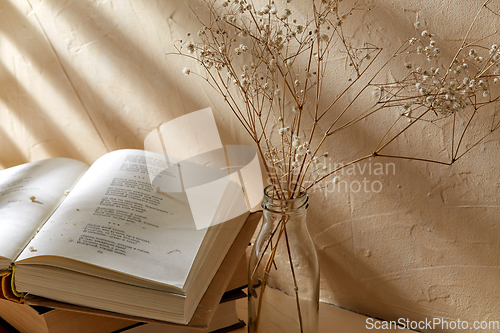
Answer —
80 78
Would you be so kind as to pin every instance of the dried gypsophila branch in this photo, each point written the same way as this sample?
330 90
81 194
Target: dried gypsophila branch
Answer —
433 93
273 58
282 81
274 90
275 44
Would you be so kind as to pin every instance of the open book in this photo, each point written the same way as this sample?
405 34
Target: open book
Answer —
104 237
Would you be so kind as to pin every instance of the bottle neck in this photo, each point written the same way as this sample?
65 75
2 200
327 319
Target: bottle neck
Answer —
274 203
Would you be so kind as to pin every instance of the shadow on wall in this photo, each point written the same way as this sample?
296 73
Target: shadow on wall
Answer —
148 71
32 115
35 118
10 149
99 101
112 116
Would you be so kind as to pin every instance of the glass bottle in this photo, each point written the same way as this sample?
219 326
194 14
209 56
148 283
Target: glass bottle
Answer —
283 275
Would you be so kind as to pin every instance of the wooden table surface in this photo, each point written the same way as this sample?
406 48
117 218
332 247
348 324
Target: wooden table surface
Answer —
332 319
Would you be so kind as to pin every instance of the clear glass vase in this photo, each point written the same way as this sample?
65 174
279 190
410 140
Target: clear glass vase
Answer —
283 275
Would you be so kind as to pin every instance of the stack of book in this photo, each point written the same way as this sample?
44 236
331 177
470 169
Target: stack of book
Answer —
40 319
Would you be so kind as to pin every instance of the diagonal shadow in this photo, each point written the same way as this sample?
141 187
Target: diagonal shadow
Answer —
111 42
89 96
159 85
33 114
11 155
14 25
16 18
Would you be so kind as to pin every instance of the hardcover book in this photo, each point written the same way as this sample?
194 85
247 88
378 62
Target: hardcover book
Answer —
104 237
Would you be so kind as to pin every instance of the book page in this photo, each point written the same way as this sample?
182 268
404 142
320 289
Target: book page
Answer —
29 194
113 218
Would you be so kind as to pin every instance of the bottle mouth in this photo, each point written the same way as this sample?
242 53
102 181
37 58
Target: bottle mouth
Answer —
275 203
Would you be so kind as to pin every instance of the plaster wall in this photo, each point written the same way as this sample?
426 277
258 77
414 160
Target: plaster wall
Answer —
81 78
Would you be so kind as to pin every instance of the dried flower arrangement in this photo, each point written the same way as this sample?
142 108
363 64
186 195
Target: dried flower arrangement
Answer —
270 69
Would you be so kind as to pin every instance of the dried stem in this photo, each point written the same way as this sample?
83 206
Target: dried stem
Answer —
270 71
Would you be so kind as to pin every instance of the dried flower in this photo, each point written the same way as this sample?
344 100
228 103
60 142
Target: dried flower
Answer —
190 47
270 69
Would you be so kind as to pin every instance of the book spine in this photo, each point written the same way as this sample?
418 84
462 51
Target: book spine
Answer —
8 290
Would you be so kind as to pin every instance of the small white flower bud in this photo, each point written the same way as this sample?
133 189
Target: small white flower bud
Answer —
272 65
190 47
